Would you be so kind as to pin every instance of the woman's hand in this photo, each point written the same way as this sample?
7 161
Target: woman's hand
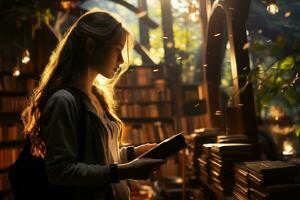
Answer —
139 169
139 150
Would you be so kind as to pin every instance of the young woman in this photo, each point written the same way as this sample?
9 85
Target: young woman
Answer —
92 47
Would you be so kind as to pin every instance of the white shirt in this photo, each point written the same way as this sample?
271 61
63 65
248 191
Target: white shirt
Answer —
121 190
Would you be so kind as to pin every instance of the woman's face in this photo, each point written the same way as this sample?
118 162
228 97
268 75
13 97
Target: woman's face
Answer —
111 59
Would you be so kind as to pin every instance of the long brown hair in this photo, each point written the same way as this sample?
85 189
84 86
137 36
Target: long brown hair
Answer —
66 64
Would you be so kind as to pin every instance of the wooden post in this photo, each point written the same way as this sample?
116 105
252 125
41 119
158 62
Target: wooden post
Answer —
205 9
212 66
232 14
238 40
144 29
172 72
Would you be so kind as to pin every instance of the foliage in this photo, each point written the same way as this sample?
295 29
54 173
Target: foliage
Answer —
274 47
15 13
275 58
276 79
188 39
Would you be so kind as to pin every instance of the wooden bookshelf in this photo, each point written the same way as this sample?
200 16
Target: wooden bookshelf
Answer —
23 75
146 102
141 119
141 87
145 106
4 193
193 108
13 92
12 144
3 170
141 100
8 118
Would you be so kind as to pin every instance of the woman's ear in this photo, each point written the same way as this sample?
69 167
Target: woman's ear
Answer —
90 46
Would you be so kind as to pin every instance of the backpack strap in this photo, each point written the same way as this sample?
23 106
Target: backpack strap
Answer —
81 123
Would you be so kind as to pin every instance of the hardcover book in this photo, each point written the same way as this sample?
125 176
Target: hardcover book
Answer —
166 148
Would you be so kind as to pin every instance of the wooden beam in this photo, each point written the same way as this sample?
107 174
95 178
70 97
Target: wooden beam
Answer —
212 65
142 15
205 11
233 15
143 51
144 29
238 39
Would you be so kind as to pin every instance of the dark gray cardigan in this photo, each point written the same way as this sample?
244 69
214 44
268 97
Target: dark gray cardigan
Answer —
89 179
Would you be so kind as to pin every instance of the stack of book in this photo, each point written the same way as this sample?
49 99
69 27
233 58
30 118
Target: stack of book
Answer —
204 163
196 149
266 180
232 139
241 189
223 158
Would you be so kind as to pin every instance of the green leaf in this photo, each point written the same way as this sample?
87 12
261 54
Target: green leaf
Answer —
279 80
265 99
291 94
280 41
287 63
297 129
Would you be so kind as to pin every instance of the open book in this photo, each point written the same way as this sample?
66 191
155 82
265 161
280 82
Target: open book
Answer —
166 148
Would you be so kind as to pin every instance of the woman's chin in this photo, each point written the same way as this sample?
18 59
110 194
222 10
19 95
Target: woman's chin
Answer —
106 77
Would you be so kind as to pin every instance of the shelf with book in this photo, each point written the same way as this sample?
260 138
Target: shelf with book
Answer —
5 189
12 144
22 75
3 170
10 117
5 193
151 111
9 154
145 106
142 87
12 103
193 107
145 102
146 120
141 76
21 83
14 91
151 95
140 133
143 98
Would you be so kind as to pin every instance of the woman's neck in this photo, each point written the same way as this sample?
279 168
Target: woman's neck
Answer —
85 82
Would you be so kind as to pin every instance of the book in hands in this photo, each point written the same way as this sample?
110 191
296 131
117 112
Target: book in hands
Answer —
166 148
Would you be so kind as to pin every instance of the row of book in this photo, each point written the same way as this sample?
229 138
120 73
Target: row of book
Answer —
145 110
8 156
4 182
190 95
170 168
266 180
11 132
10 83
147 132
153 94
12 103
137 76
142 95
190 124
